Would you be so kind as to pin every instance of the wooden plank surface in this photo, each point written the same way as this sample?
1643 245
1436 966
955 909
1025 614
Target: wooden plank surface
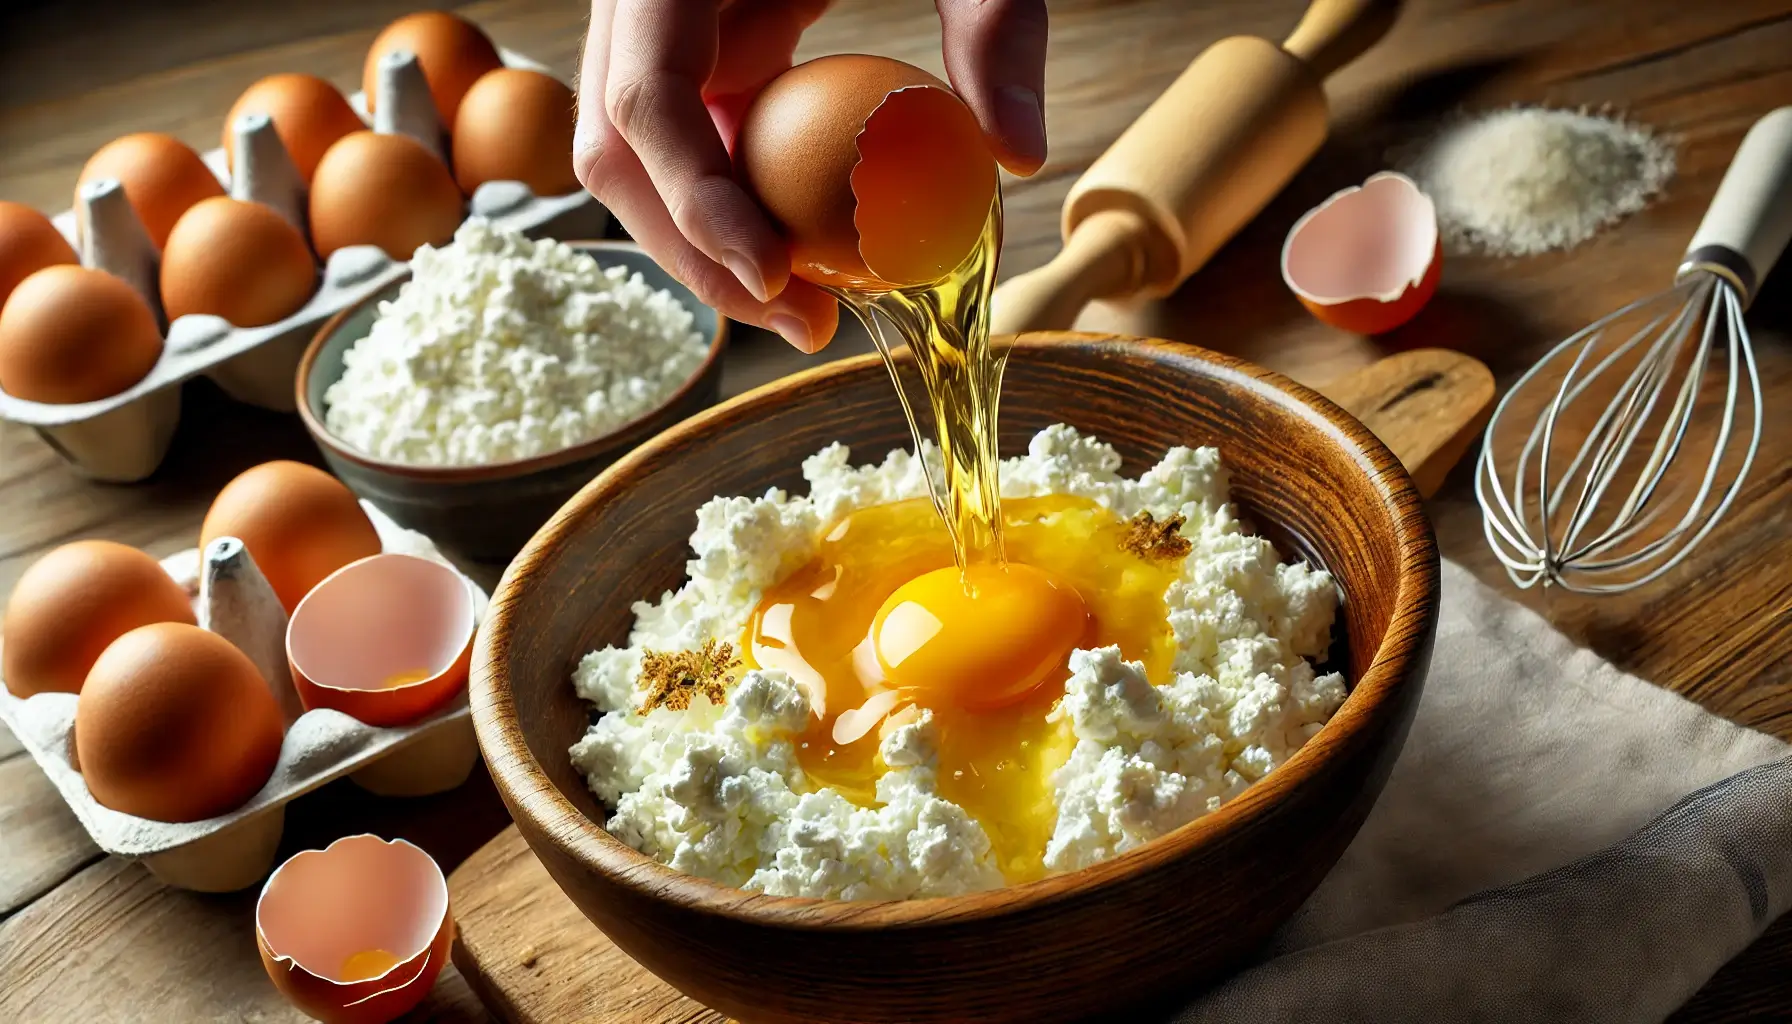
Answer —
1719 630
44 843
534 957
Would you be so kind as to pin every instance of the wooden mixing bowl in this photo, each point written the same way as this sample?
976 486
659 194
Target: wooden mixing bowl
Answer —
1146 926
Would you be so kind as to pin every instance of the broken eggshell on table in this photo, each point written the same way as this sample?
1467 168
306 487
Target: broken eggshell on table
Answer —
232 851
124 437
1368 258
355 933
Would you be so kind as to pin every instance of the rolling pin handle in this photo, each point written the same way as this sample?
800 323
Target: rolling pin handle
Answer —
1335 32
1104 256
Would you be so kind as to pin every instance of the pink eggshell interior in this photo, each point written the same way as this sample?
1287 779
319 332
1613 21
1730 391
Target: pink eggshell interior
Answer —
378 618
1372 242
359 893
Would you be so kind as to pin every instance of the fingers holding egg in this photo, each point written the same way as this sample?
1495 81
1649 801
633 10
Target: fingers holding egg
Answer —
877 173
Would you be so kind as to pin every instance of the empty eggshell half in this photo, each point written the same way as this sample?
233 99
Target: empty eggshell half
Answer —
355 933
386 639
1367 259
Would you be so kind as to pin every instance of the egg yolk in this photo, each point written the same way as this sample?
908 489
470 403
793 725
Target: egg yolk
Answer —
397 679
368 963
981 639
880 623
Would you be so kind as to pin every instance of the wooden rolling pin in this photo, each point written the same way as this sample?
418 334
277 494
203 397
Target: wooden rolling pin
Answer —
1196 166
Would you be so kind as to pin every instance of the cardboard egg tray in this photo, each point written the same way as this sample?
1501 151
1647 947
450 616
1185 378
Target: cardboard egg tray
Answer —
236 850
124 438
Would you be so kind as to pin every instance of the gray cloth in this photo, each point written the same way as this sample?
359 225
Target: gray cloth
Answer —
1535 855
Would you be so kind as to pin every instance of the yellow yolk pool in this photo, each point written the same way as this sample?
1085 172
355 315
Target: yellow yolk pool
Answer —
368 963
879 620
397 679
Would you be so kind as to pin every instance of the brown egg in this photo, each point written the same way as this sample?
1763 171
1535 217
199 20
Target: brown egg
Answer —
162 177
72 334
384 190
175 724
876 171
28 243
299 523
238 260
452 51
516 125
309 115
72 603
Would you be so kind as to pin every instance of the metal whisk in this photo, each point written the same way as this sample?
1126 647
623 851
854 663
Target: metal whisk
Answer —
1553 513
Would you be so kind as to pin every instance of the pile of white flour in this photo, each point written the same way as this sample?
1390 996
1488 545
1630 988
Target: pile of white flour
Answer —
1526 180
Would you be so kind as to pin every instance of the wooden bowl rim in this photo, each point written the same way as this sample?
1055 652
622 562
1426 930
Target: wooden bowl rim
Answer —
531 794
627 435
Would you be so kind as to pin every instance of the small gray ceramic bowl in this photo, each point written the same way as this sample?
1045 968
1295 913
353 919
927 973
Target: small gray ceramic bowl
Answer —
486 512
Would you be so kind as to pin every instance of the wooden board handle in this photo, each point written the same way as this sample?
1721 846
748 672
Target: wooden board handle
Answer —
1196 166
1427 405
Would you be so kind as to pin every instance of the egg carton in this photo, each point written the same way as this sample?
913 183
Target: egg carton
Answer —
236 850
123 438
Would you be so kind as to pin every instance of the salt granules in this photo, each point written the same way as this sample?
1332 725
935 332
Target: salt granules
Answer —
1525 180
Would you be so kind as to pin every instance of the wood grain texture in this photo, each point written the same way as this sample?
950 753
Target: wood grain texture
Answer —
536 959
1053 950
44 842
73 76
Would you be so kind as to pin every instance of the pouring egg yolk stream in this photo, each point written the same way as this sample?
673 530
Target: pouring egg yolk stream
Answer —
886 191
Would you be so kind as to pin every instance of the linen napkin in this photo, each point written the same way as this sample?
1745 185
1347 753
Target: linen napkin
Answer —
1536 855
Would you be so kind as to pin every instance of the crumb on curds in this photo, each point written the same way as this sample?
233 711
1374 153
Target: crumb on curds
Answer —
1150 539
673 678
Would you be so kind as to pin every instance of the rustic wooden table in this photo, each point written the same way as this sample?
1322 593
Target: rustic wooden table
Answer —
87 937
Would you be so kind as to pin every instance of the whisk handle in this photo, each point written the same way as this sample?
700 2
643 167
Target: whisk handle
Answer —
1750 219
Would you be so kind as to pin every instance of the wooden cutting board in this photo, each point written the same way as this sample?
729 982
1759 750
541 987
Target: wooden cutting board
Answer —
533 958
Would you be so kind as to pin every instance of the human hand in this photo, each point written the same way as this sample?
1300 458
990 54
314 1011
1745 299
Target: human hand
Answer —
662 86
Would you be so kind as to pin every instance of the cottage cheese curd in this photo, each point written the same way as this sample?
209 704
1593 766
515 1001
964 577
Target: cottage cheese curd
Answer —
718 791
501 348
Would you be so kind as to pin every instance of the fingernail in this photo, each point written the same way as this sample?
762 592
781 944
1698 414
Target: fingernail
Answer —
749 274
793 330
1022 119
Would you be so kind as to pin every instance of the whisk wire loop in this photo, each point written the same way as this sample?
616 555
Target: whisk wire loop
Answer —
1629 448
